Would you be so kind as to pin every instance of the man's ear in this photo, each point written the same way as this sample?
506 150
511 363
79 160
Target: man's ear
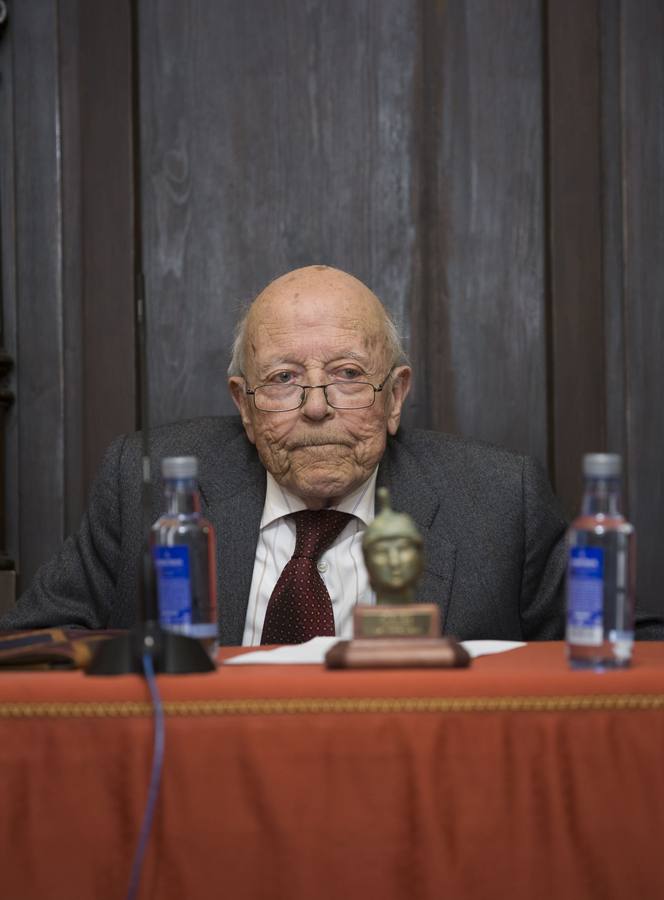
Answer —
241 400
398 391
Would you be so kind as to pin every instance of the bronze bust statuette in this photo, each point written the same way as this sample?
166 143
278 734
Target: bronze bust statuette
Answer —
396 632
393 554
394 557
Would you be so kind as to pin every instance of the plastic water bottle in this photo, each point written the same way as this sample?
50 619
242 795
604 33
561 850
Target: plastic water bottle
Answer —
183 550
600 572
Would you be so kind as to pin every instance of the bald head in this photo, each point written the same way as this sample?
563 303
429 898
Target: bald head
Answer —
307 291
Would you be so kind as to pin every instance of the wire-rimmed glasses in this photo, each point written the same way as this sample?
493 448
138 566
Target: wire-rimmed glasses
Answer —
338 394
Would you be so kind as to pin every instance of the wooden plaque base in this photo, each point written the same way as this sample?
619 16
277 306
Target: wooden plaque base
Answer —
407 620
428 653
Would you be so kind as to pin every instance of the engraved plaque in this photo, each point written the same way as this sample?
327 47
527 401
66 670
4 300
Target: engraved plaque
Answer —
404 620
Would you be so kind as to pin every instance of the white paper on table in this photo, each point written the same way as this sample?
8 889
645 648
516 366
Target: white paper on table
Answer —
485 648
313 652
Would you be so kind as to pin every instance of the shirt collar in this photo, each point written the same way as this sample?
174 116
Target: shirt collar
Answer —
279 501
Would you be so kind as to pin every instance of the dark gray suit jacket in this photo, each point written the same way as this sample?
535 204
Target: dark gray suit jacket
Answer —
493 533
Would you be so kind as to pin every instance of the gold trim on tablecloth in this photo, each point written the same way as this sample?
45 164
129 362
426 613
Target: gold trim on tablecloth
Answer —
333 705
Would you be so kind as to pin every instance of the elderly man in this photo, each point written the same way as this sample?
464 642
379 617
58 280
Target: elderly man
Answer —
319 379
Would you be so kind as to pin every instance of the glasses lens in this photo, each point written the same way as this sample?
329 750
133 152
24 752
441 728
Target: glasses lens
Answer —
350 395
277 397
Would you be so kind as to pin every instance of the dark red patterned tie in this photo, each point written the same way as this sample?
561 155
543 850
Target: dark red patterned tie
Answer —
300 607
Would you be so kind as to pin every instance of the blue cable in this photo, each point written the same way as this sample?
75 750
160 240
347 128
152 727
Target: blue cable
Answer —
155 777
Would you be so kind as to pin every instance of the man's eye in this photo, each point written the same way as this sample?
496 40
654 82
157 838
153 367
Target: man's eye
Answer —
349 373
282 378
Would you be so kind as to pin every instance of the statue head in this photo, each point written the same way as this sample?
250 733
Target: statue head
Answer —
393 553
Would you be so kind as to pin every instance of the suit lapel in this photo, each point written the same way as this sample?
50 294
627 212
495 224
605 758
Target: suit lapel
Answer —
412 492
233 495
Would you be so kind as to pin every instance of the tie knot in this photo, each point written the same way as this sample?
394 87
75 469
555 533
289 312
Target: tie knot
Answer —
316 529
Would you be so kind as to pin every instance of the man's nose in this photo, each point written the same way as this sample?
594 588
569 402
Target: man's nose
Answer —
315 405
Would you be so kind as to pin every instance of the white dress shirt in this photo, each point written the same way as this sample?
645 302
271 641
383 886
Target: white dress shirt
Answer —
341 566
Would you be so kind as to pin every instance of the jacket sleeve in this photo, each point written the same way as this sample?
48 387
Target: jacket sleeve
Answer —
78 586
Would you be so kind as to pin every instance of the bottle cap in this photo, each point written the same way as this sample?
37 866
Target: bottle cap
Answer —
179 467
602 465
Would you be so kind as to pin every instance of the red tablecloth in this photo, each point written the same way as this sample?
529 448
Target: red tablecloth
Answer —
516 778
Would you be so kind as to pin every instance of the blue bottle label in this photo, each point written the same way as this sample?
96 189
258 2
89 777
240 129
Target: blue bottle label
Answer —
585 596
173 584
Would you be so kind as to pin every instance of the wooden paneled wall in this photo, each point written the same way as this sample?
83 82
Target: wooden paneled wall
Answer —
638 50
67 248
493 170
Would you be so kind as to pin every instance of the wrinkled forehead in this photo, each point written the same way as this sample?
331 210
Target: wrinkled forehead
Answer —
316 317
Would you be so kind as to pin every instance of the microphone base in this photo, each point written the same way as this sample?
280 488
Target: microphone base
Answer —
172 654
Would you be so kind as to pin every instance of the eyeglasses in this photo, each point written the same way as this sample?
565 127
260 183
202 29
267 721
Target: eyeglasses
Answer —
338 394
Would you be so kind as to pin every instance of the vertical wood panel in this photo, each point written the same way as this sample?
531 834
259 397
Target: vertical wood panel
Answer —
40 399
612 228
265 149
642 25
577 319
8 286
107 229
68 149
483 333
432 402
